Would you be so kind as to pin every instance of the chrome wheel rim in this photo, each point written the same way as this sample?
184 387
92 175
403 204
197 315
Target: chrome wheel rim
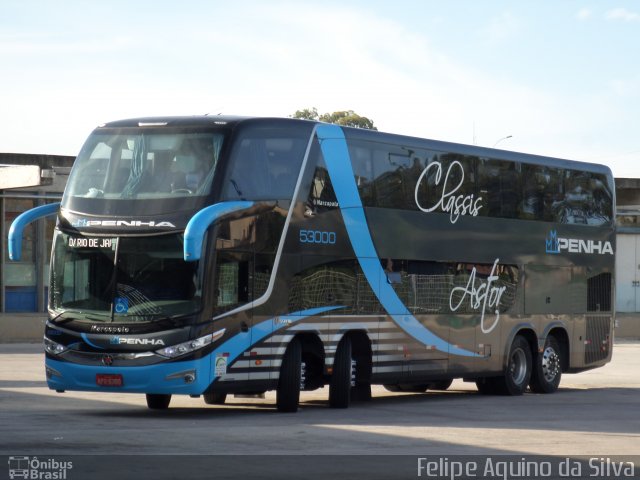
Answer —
550 364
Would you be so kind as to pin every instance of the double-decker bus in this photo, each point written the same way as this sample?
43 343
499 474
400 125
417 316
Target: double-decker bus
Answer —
210 256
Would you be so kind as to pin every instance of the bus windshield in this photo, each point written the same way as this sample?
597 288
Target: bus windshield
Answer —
123 279
145 165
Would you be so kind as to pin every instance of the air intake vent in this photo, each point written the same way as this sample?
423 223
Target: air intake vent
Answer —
599 293
598 339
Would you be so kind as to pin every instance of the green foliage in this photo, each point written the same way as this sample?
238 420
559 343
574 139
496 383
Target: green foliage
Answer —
346 118
307 114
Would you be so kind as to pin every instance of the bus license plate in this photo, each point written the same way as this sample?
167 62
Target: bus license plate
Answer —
109 380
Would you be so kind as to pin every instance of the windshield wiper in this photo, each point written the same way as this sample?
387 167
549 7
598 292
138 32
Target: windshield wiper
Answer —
235 186
172 320
101 317
62 321
175 320
71 316
77 316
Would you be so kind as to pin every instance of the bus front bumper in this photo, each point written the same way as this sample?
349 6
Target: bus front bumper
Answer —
190 377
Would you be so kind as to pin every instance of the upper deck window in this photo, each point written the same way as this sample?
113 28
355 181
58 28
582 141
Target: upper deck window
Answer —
454 184
145 165
265 161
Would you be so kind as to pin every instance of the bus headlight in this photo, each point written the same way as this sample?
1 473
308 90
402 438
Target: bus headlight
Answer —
190 346
53 348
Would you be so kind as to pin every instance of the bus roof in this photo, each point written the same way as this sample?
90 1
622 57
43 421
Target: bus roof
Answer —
364 134
474 150
194 121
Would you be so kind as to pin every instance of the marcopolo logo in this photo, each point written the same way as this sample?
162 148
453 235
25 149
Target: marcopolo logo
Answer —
35 468
101 329
555 245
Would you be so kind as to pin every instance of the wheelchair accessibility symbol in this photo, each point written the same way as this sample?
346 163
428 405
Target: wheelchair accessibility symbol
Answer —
121 305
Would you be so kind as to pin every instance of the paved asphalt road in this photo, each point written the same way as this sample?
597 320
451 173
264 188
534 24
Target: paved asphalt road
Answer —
594 414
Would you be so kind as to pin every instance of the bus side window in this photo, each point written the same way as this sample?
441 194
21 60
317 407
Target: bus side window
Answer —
326 283
602 203
265 163
361 160
321 195
282 176
390 165
232 280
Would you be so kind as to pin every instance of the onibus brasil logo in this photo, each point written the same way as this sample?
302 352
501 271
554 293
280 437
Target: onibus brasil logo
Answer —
555 245
35 468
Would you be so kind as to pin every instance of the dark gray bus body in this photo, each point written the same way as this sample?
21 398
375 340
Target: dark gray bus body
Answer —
434 260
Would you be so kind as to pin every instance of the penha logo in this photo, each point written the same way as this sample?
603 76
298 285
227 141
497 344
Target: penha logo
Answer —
552 244
555 245
83 222
136 341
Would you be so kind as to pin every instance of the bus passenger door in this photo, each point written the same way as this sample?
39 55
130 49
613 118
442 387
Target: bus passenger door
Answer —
233 289
259 353
244 284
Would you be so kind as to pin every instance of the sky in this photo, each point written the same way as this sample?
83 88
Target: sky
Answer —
560 78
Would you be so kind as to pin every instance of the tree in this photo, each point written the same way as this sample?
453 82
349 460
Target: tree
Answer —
346 118
307 114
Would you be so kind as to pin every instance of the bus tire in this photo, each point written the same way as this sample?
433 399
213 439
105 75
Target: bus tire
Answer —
547 368
441 385
215 398
158 401
408 387
288 391
518 371
414 387
487 385
340 384
361 376
361 392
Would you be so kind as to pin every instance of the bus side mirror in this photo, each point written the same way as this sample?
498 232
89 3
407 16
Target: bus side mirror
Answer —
21 221
200 222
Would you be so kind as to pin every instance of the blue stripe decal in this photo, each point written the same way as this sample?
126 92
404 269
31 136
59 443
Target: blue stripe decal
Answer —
197 226
21 221
336 155
236 345
153 378
85 337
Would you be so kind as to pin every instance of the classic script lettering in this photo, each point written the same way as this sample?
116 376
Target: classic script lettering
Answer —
481 295
449 202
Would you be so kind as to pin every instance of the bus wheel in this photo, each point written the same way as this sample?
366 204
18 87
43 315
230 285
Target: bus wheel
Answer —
343 376
288 392
158 401
413 387
408 387
487 385
215 398
547 369
518 372
440 385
